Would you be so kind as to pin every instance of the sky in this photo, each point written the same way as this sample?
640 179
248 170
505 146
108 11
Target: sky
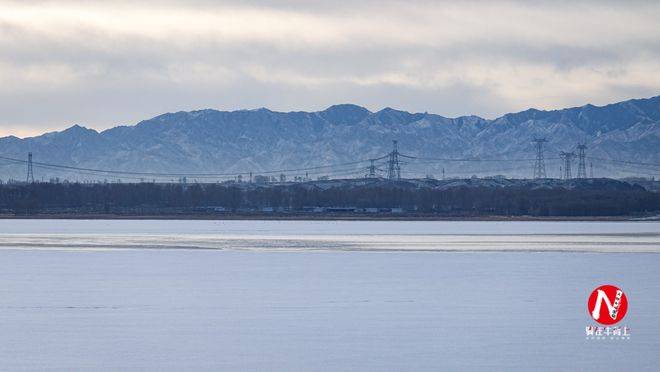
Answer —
108 63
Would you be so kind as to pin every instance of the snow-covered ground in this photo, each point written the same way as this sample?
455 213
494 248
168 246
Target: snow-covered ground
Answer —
224 309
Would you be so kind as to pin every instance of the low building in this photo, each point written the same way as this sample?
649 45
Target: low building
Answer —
340 209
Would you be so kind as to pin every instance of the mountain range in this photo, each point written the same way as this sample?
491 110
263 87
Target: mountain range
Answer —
261 140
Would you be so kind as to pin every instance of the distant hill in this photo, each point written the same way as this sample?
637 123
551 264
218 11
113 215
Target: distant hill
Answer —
211 141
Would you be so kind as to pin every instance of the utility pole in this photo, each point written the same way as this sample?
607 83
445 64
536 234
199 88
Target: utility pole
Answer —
567 158
582 168
443 173
539 164
591 169
30 173
393 165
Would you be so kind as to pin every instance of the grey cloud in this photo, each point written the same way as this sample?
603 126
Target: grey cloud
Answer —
101 78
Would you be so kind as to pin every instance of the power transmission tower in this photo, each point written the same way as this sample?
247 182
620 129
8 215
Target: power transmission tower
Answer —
567 158
30 173
539 164
582 166
591 169
371 169
393 165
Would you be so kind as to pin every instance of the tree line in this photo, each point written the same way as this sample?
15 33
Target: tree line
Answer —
197 198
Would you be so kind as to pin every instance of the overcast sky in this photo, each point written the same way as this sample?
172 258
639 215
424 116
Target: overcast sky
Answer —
101 64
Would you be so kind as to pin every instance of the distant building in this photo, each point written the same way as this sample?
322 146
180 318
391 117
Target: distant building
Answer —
340 209
261 179
314 209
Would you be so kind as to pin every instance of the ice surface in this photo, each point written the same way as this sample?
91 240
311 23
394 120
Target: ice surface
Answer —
281 227
332 235
308 310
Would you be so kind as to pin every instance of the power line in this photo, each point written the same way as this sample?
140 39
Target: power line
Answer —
173 174
391 161
464 159
627 162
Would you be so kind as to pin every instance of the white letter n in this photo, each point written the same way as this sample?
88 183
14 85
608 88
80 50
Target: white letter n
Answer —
599 301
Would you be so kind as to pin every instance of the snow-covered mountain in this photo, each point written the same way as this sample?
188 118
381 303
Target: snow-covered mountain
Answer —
211 141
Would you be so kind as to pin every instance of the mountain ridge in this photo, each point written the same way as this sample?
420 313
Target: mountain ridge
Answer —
257 140
531 109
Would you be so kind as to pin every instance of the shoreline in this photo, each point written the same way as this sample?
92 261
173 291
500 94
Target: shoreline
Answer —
334 217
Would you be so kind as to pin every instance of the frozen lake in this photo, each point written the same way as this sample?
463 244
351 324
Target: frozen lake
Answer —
322 295
331 235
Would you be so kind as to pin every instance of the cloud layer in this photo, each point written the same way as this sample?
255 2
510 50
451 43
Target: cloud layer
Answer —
107 63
